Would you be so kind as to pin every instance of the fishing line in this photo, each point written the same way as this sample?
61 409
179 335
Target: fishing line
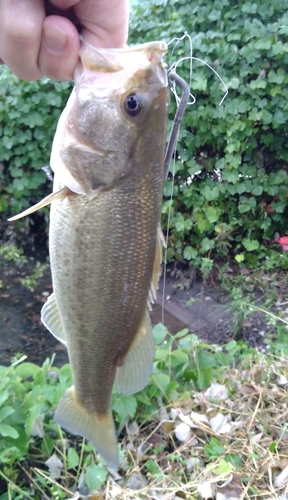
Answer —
174 68
178 40
181 102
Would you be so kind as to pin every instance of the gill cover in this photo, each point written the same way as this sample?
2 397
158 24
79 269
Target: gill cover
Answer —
127 82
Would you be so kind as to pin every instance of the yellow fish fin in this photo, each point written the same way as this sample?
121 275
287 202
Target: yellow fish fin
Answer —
41 204
51 319
137 366
98 429
160 242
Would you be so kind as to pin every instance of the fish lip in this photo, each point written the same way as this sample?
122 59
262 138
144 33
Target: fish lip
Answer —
155 46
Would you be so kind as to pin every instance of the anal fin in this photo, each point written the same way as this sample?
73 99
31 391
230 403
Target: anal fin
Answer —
160 242
137 367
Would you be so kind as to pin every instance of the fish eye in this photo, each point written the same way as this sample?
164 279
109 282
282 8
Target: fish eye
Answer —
133 104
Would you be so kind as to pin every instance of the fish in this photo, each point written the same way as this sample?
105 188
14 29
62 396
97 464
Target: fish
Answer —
105 239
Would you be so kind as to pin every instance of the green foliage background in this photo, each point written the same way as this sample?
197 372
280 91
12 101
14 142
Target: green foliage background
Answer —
230 186
230 190
29 112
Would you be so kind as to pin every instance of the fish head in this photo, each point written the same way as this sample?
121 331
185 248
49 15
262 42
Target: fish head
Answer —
115 118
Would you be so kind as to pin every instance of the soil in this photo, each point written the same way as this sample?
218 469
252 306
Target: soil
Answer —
201 309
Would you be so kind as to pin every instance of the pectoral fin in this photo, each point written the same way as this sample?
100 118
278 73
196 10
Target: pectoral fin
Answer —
59 195
137 367
50 318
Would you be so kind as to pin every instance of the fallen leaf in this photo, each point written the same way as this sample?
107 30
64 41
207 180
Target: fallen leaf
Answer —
174 413
136 481
187 420
231 489
199 418
54 465
182 431
133 429
281 479
216 391
282 380
249 389
218 422
244 270
168 426
37 429
206 489
257 438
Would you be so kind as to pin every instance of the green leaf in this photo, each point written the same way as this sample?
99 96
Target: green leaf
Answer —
8 431
206 360
72 458
160 380
257 190
159 333
204 378
234 459
239 257
3 397
5 412
273 447
27 370
250 245
212 214
223 467
234 83
125 406
95 476
178 357
210 193
152 467
206 245
214 449
244 207
190 253
181 334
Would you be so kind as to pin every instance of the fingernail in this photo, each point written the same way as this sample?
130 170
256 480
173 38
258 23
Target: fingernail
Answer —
54 40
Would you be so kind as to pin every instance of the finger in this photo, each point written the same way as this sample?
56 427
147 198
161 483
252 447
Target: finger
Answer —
20 36
64 4
59 51
105 24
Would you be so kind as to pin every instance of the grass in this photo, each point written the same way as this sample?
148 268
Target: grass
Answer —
211 423
212 420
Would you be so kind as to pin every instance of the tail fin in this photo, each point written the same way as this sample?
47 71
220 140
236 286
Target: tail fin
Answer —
100 431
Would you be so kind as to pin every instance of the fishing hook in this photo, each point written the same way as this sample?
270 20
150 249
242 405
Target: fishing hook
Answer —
177 119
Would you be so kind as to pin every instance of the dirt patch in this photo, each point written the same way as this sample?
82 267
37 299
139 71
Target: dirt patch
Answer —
21 330
203 310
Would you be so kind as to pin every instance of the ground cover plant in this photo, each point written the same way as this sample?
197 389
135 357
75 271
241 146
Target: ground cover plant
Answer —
29 112
212 421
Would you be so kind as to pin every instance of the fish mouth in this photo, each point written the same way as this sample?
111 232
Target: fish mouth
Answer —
113 60
126 60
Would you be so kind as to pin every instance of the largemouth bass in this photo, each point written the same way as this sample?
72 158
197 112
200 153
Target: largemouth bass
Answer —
105 237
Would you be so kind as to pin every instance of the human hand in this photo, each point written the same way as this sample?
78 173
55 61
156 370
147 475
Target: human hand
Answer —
41 37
